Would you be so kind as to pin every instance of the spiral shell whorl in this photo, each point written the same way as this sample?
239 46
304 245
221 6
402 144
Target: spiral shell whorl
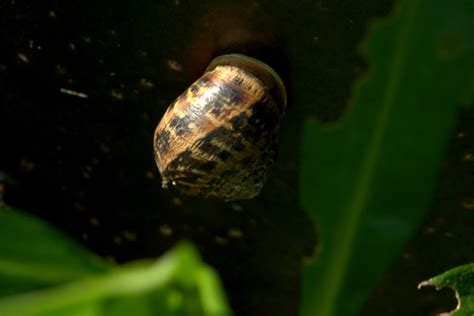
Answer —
219 137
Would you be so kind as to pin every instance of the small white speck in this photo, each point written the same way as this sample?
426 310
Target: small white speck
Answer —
174 65
23 58
146 83
74 93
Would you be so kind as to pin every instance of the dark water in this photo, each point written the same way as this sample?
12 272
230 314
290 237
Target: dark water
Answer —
83 84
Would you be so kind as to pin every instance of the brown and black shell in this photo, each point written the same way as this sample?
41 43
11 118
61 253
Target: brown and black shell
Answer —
219 137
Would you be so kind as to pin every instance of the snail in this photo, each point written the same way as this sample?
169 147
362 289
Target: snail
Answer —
219 137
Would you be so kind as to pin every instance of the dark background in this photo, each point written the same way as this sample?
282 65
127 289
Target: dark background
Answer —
86 164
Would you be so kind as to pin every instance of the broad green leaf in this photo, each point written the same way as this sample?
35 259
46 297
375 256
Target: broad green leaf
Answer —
70 281
461 279
33 255
368 180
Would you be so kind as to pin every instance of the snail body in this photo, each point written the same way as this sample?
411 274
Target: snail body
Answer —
219 137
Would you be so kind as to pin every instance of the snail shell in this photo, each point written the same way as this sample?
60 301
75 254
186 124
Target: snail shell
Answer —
219 137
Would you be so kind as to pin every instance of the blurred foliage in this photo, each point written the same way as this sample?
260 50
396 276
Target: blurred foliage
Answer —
368 180
32 255
365 180
42 272
461 279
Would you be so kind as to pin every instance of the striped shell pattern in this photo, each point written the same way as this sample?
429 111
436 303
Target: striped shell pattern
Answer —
220 136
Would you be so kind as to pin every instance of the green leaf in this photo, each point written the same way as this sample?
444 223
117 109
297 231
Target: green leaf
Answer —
368 180
71 281
140 288
32 255
461 279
